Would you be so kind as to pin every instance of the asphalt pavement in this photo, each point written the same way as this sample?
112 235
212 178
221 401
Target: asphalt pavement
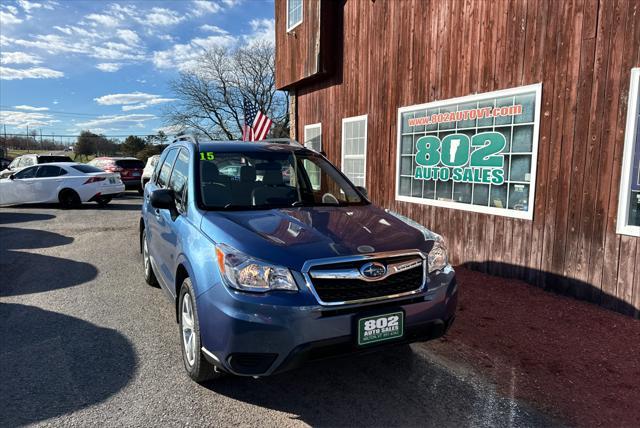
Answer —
85 342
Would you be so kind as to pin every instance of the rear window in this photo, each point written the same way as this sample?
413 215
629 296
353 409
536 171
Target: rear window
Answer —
49 159
130 163
86 168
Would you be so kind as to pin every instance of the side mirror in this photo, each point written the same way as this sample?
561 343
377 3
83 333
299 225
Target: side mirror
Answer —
363 190
163 199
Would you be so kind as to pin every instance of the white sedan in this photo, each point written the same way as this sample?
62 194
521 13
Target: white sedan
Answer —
68 183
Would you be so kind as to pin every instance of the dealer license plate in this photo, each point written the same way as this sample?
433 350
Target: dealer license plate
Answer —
379 328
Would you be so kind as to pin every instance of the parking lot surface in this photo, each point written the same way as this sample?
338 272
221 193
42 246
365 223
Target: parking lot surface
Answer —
86 342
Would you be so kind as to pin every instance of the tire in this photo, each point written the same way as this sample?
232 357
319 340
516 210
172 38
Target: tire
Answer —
103 200
198 368
69 199
149 275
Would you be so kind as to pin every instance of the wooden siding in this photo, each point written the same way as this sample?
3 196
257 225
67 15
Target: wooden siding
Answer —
298 49
400 53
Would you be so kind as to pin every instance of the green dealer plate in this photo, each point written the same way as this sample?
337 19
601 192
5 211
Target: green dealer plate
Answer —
379 328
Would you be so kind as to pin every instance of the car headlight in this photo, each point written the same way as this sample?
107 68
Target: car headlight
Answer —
245 273
438 257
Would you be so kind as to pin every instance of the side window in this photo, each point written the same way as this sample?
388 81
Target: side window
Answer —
27 173
50 171
179 179
28 161
165 169
158 165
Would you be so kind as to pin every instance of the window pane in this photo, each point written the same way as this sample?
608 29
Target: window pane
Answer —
520 168
528 108
522 139
519 197
462 193
481 194
165 170
498 197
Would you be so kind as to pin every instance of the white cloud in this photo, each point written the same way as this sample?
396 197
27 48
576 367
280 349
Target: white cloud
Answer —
114 51
22 119
18 58
30 108
117 120
109 67
106 20
203 7
231 3
132 101
7 18
27 5
264 30
185 56
160 17
7 73
129 36
213 29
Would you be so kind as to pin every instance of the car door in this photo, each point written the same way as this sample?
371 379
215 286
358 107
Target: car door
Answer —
19 189
47 183
173 227
157 224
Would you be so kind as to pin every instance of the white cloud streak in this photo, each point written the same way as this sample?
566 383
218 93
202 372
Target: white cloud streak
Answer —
30 108
109 67
18 58
7 73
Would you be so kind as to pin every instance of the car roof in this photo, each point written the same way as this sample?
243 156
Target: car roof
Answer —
116 158
248 147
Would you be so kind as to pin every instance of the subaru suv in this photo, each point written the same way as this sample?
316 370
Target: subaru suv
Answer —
272 257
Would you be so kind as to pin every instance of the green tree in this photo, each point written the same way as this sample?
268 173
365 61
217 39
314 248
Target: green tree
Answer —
86 144
132 145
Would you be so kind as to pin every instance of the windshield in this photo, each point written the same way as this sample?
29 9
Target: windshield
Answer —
265 180
51 159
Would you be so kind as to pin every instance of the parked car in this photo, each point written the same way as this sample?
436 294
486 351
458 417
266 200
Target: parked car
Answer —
24 161
148 169
265 274
4 163
68 183
130 169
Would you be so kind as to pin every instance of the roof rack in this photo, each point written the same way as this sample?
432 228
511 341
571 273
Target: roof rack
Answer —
281 141
186 137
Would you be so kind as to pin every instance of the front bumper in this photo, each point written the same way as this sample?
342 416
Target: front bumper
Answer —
260 339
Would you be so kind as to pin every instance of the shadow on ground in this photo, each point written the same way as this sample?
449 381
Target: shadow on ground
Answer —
27 272
12 218
53 364
397 387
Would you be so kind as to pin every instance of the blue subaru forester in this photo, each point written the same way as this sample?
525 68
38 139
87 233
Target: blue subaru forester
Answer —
273 257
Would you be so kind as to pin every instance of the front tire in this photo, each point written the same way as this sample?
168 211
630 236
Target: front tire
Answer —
198 368
149 275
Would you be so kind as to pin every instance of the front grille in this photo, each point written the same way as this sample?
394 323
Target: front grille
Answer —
331 290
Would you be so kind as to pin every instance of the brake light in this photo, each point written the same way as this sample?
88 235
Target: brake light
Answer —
94 180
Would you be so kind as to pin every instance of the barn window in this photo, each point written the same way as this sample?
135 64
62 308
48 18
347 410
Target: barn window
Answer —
354 149
294 14
629 199
475 153
313 141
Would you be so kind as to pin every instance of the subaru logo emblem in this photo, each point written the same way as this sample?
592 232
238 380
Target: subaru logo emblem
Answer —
373 270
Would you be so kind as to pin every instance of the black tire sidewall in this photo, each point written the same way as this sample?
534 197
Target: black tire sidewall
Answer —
69 198
150 277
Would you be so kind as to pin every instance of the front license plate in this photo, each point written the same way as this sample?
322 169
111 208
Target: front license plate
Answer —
379 328
136 174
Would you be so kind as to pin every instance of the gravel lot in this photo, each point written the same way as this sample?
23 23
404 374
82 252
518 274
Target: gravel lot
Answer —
84 341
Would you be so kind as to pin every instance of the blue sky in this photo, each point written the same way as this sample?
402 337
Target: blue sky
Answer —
105 66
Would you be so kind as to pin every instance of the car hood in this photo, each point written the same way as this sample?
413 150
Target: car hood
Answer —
291 236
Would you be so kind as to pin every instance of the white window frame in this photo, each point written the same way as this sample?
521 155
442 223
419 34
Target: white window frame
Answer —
289 26
526 215
623 227
364 155
313 126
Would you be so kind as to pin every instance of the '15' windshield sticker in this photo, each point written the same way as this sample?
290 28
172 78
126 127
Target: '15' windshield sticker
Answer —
207 156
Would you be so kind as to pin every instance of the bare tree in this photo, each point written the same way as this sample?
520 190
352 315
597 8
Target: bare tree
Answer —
211 94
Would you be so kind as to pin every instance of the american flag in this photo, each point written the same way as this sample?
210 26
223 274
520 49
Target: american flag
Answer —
256 125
